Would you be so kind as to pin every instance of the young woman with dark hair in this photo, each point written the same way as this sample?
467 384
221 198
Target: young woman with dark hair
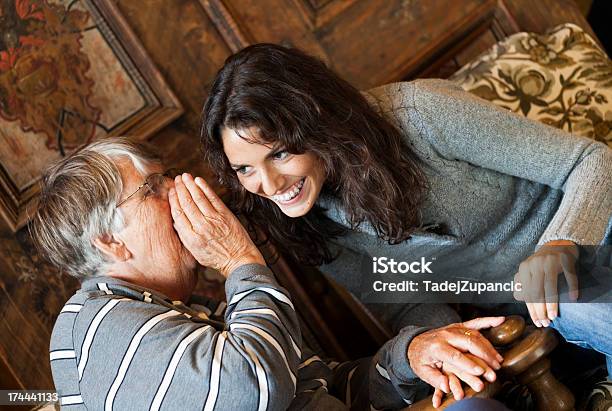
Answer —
322 115
335 174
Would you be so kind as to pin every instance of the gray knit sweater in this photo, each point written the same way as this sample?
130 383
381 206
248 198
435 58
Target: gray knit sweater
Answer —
500 184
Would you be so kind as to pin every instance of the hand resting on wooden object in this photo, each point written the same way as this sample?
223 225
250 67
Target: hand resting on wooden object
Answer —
525 354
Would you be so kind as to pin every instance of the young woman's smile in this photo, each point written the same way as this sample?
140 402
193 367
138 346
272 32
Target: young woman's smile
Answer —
291 195
292 181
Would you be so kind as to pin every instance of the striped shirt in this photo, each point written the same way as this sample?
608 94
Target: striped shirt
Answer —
119 346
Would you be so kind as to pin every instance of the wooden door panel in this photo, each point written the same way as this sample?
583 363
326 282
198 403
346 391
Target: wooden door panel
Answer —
539 15
320 13
367 42
274 21
31 295
188 54
490 24
376 42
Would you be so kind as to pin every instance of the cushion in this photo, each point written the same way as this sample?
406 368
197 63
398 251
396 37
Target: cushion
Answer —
561 78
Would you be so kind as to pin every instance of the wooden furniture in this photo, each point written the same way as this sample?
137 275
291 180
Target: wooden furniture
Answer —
525 353
369 42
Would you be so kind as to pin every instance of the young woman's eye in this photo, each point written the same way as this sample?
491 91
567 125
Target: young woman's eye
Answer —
242 170
280 155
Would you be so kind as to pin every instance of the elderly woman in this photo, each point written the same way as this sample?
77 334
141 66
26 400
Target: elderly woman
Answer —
128 339
133 336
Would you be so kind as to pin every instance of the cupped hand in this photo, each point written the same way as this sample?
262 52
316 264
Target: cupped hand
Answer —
208 229
441 357
538 276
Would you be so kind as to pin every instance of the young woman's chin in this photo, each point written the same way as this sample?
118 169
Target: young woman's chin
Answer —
295 212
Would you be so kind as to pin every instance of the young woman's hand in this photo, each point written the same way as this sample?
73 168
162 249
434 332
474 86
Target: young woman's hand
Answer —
538 277
436 354
208 229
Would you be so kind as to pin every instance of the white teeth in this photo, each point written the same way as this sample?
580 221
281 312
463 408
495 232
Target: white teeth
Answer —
291 193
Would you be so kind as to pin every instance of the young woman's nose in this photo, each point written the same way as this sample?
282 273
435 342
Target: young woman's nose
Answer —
271 181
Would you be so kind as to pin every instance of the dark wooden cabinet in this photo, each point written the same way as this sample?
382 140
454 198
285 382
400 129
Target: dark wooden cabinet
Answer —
369 42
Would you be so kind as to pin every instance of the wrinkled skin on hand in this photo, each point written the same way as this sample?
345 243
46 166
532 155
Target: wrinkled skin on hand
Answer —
445 356
208 229
455 383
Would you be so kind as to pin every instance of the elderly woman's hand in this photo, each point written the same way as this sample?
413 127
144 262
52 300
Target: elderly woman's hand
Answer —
208 229
455 384
441 357
538 276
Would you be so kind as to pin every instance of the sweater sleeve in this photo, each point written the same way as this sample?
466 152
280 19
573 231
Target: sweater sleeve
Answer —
391 370
463 127
391 375
133 354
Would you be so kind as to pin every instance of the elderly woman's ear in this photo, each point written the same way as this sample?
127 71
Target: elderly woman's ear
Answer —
112 247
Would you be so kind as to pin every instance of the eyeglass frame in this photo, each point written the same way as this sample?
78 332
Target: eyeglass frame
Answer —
147 183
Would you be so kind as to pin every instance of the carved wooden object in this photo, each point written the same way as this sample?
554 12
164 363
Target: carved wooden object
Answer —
525 357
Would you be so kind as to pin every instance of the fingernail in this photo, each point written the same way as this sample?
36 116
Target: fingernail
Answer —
490 376
545 323
537 323
177 179
499 358
479 387
552 316
496 365
478 369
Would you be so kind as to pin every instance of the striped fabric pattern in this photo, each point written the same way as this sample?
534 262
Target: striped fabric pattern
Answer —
118 346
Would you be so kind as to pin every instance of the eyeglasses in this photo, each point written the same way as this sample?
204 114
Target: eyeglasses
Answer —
153 184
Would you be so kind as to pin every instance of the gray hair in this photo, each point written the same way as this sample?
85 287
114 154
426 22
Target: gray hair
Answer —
78 203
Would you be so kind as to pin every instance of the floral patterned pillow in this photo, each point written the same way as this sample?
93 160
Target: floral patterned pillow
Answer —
561 78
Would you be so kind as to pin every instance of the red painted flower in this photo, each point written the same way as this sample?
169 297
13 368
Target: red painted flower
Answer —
8 59
27 9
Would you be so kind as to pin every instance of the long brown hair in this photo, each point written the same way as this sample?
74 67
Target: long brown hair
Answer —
298 103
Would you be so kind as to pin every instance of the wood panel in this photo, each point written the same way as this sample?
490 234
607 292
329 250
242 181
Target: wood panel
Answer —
376 42
31 294
539 15
411 31
188 51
